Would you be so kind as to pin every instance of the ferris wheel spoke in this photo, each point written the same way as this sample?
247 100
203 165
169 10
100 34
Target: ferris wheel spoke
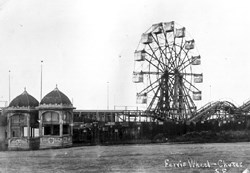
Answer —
183 60
148 73
178 53
159 48
152 88
186 91
151 62
189 74
166 46
153 51
150 80
161 52
174 50
188 99
153 99
146 90
187 63
153 56
191 85
153 83
170 59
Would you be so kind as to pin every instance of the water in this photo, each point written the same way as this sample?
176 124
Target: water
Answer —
131 158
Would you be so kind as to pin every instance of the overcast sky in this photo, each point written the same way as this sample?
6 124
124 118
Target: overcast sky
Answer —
85 44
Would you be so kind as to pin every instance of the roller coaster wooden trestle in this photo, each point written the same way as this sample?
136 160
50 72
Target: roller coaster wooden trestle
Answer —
218 110
221 111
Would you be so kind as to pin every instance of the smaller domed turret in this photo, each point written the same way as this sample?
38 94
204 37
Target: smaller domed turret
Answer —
56 97
24 100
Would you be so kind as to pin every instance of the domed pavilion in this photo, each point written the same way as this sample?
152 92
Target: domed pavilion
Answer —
22 116
55 120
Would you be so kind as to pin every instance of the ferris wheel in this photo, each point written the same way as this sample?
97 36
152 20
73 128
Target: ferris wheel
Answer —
167 72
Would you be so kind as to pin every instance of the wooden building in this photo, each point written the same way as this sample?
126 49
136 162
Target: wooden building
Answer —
22 119
55 120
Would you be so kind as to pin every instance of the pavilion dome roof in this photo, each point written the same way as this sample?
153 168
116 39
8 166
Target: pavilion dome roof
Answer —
24 100
56 97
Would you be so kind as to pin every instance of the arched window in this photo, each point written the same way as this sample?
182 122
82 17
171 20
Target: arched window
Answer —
18 119
50 117
18 125
51 123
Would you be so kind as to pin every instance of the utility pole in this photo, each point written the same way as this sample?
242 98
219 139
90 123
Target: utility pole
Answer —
107 95
9 86
41 91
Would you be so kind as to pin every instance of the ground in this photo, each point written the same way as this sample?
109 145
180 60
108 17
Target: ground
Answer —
212 157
